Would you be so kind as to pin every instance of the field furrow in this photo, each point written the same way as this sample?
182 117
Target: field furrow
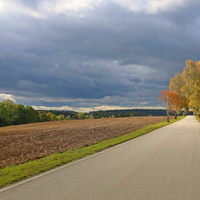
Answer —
22 143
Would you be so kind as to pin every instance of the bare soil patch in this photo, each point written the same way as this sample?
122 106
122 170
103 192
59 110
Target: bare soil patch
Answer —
19 144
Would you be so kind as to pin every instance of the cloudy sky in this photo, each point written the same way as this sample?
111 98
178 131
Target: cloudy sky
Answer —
87 55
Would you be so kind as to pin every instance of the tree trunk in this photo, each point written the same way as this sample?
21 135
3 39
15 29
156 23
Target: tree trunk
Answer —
167 116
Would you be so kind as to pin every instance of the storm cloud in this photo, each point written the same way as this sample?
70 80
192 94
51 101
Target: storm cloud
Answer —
89 55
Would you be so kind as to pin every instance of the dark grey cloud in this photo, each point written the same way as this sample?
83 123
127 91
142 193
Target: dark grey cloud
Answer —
110 56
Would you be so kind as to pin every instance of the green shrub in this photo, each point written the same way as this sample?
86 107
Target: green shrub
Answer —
68 117
81 115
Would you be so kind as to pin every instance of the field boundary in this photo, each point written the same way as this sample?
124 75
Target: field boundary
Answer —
15 173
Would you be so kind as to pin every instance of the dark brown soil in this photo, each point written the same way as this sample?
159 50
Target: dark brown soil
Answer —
19 144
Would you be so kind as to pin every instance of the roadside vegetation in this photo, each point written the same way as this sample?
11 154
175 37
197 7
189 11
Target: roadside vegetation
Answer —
197 117
19 172
184 91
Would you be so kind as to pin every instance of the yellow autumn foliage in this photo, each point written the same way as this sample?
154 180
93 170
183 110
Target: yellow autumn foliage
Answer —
187 85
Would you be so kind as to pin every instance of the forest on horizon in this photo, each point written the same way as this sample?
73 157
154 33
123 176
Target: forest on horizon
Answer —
14 114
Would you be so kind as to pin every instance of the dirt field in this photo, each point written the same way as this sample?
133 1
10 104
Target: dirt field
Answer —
22 143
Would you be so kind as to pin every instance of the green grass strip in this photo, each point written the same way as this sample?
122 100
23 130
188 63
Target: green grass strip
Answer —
197 117
15 173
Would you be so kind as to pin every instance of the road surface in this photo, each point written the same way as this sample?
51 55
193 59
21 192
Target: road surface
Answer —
164 164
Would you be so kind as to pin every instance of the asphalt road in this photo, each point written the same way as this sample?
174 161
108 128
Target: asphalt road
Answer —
164 164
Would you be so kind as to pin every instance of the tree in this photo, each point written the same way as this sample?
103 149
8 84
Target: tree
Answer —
186 110
120 115
49 114
10 105
11 113
81 115
43 117
165 99
191 88
31 115
60 117
20 114
175 102
75 116
4 115
68 117
187 85
53 117
176 85
91 117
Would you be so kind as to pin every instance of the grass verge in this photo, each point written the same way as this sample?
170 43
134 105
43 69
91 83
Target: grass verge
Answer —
19 172
197 117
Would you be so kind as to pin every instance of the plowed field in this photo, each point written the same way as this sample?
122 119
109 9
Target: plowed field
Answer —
22 143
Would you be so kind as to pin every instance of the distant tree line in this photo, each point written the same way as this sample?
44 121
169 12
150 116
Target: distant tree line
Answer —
66 115
54 115
130 113
14 114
